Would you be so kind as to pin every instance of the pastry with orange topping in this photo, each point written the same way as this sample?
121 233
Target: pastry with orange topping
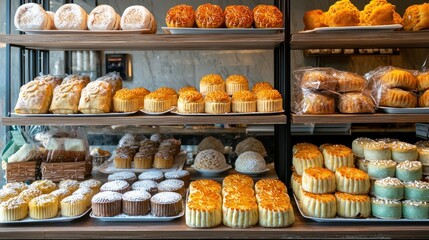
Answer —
259 86
396 97
209 16
276 211
190 102
238 16
318 205
424 99
243 101
205 185
317 103
399 78
269 101
356 102
269 184
141 92
240 212
303 146
125 100
352 180
157 102
217 102
318 180
235 83
416 17
204 210
214 196
181 15
211 82
314 19
267 16
342 13
377 12
304 159
338 155
296 182
352 206
237 179
170 92
237 190
96 97
13 209
267 195
186 89
43 207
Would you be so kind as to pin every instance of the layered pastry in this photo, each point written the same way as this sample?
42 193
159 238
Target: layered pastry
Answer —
356 102
186 89
144 159
172 185
336 156
396 97
157 102
318 80
120 186
304 159
240 212
423 81
342 13
181 15
243 101
154 175
205 185
402 151
171 93
378 12
87 193
73 205
350 82
381 168
126 100
43 207
318 180
416 17
138 17
13 209
163 159
149 186
204 210
237 179
303 146
46 186
209 16
183 175
409 170
386 209
66 98
415 209
31 16
296 182
34 97
136 203
69 184
250 162
210 159
6 194
389 188
270 185
130 177
114 78
417 191
212 82
15 186
267 16
314 19
250 144
236 83
60 194
122 160
276 212
107 204
29 194
103 17
424 99
317 103
96 98
352 206
93 184
211 143
399 78
217 102
238 16
259 86
352 180
377 151
166 204
269 101
318 205
358 146
71 16
191 102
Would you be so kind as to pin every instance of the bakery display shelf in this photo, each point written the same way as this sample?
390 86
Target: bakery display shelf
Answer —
59 218
361 39
145 41
360 118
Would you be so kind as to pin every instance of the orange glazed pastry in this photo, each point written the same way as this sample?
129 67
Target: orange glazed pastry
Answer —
303 146
269 101
181 15
304 159
205 185
316 103
318 180
170 92
141 92
211 83
204 210
235 83
352 206
314 19
157 102
238 16
399 78
259 86
126 100
270 185
209 16
352 180
318 205
423 81
186 89
276 211
378 12
397 97
350 82
234 179
267 16
416 17
240 212
338 155
342 13
424 99
190 102
217 102
243 101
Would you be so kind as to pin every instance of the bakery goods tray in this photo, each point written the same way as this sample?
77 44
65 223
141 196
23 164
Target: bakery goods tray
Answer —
354 220
422 110
49 32
178 30
225 114
58 218
146 218
113 114
354 28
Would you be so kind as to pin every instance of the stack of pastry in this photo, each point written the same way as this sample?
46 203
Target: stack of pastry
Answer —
396 86
353 97
423 87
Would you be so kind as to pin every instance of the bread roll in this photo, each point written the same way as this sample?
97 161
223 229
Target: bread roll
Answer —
71 17
137 17
103 17
31 16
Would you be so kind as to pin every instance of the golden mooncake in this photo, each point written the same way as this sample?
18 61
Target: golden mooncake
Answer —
302 146
238 16
276 212
269 184
318 180
211 82
209 16
353 206
181 15
267 16
338 155
237 179
205 185
269 101
352 180
304 159
190 102
240 212
318 205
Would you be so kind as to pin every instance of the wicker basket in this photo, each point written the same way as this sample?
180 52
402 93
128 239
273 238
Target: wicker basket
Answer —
67 170
21 171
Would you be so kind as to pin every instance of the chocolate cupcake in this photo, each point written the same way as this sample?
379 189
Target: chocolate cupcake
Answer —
149 186
107 204
136 203
120 186
166 204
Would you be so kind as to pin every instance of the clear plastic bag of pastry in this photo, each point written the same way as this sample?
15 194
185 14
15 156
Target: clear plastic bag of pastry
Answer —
356 102
393 87
20 147
309 101
319 78
65 144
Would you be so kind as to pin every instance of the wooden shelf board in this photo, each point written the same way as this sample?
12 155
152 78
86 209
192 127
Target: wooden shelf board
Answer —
144 41
360 118
368 39
146 120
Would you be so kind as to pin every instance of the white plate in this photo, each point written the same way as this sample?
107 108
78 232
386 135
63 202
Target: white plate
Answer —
422 110
253 173
354 220
58 218
355 28
127 218
175 30
108 166
225 114
112 114
158 113
48 32
211 172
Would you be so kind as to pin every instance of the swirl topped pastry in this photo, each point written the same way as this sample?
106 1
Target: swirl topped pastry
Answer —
342 13
181 15
378 12
209 16
267 16
238 16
